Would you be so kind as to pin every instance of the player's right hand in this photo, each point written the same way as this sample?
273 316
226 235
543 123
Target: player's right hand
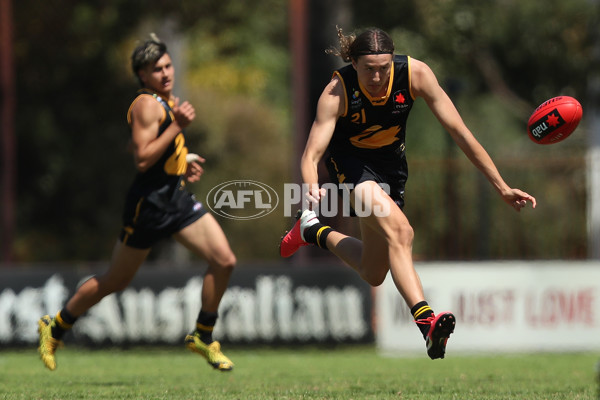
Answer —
314 195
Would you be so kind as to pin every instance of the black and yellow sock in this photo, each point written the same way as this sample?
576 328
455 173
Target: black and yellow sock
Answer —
61 323
420 312
205 325
317 234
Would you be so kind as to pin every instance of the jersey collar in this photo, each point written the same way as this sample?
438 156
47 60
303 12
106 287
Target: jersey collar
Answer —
379 101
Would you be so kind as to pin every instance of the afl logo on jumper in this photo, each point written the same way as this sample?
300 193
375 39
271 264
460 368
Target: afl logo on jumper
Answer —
400 99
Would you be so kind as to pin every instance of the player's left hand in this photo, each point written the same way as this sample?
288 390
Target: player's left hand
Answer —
194 169
518 199
184 113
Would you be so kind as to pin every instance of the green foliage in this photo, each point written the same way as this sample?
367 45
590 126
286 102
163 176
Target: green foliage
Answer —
237 48
532 50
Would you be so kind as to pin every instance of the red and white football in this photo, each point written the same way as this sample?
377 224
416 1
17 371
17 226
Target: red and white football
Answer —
554 120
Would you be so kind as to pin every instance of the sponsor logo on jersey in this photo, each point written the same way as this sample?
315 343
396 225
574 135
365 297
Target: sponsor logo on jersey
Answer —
355 100
400 99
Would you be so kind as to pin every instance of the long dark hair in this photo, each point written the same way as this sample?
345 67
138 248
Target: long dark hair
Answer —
370 41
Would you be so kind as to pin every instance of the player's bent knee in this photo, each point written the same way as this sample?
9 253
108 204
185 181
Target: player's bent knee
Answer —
374 278
403 235
375 281
227 262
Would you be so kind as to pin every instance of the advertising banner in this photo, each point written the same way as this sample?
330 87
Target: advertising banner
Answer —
500 307
269 305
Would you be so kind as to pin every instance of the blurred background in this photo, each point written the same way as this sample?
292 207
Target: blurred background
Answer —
253 71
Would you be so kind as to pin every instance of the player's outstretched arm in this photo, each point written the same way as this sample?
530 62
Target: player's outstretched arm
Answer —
425 84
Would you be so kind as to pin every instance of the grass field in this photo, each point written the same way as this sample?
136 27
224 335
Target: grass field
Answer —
347 373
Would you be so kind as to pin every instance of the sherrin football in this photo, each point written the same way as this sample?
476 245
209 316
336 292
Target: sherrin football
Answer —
554 120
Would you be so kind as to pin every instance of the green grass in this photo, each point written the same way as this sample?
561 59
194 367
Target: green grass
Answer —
348 373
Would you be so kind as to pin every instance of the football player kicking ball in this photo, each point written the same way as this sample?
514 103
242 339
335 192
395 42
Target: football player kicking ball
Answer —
361 121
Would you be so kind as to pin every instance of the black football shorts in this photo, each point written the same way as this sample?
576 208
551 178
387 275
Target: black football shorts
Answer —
353 171
146 220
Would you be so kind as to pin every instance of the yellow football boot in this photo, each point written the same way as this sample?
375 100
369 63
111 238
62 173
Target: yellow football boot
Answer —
48 344
211 352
